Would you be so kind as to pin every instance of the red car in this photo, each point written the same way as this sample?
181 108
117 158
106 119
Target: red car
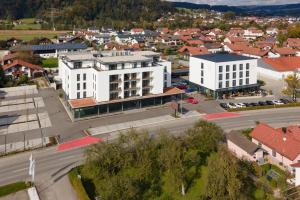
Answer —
195 101
190 100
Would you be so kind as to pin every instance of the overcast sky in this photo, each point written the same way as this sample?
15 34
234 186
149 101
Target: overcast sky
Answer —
241 2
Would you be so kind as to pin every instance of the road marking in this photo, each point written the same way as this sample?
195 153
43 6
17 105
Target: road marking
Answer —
19 170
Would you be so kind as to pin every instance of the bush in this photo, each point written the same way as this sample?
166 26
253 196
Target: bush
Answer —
264 107
50 63
13 188
77 184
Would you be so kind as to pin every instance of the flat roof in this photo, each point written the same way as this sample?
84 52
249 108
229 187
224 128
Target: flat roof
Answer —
223 57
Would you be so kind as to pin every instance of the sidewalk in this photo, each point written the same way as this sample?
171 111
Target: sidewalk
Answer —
139 123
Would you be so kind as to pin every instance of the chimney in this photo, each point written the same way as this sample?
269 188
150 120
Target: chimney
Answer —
284 133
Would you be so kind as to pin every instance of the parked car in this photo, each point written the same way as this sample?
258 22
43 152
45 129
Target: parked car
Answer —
269 102
254 104
262 103
285 101
182 87
277 102
189 99
224 105
195 101
240 105
231 105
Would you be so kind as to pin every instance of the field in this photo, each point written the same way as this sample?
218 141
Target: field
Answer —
27 24
27 35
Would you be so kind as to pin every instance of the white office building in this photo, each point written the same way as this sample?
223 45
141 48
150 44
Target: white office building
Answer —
98 83
219 75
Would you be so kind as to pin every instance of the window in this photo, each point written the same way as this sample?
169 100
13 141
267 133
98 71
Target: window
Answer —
84 77
202 80
78 86
241 74
227 75
220 68
78 95
227 84
220 85
234 75
220 77
112 67
241 82
123 66
165 77
227 68
247 66
202 65
84 94
165 69
78 77
241 66
84 86
135 65
77 65
247 73
234 83
202 73
273 153
247 81
234 68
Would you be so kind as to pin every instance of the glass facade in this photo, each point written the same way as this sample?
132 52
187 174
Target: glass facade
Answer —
104 109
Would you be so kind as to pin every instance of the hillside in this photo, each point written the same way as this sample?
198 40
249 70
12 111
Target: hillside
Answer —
81 12
271 10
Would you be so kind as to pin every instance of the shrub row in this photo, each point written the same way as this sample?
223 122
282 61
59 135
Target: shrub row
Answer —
77 185
13 188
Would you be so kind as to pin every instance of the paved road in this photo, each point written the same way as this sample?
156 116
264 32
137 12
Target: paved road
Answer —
52 165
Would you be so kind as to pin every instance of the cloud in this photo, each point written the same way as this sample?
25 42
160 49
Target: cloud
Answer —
240 2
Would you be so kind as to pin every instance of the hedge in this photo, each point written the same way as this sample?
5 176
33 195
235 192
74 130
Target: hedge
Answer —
264 107
77 184
13 188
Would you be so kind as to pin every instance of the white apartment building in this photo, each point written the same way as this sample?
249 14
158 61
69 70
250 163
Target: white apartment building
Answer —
223 74
114 80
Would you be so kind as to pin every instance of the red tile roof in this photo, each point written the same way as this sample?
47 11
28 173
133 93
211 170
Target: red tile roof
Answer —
78 103
274 139
195 42
283 64
22 63
194 50
294 42
284 51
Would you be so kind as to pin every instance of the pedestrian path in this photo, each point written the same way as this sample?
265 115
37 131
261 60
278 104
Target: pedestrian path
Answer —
139 123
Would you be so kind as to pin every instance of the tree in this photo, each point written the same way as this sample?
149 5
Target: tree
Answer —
174 157
229 15
292 85
225 177
281 38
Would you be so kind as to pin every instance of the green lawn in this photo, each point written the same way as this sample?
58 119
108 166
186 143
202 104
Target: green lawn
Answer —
50 63
28 35
13 188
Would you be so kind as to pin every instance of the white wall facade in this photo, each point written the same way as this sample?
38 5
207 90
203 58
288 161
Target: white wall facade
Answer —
97 82
211 73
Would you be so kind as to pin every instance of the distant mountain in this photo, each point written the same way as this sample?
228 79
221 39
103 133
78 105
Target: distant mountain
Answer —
269 10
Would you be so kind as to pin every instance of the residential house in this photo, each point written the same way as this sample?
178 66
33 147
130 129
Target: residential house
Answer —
243 148
278 68
187 51
282 52
20 67
282 145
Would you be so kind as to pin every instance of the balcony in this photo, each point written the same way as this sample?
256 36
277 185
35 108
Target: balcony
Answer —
115 90
115 80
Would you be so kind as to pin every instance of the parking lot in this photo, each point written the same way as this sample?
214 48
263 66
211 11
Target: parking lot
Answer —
253 103
22 118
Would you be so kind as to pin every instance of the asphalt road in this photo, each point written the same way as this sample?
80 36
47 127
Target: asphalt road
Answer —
52 165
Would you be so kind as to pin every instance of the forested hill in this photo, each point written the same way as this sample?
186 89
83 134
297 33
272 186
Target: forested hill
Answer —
83 11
